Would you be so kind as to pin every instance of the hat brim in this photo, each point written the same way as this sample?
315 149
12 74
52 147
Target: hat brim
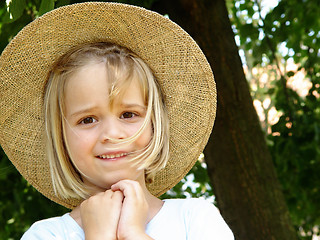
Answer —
178 64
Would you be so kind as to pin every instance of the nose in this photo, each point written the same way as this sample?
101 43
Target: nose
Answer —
111 128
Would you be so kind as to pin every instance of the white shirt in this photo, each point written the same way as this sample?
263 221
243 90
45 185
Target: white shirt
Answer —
185 219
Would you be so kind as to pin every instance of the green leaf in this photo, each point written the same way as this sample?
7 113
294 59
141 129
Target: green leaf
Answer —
46 6
16 8
290 74
60 3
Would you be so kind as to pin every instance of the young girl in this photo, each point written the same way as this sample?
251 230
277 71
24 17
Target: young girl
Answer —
105 111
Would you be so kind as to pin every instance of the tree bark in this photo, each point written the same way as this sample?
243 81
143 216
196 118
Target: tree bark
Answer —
239 163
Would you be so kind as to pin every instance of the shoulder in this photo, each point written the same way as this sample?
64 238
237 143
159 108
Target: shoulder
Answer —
203 220
191 205
63 227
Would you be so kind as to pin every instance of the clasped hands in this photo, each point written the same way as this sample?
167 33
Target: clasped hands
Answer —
116 214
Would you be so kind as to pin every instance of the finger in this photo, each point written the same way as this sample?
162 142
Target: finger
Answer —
121 185
128 187
134 209
103 198
101 210
117 195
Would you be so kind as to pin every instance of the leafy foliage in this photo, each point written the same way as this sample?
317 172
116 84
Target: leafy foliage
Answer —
195 184
20 205
289 32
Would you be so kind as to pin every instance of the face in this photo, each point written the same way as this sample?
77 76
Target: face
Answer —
90 124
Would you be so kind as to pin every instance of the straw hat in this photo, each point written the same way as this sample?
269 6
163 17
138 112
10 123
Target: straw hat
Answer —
176 60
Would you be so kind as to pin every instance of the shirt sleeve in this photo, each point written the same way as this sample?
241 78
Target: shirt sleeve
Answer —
57 228
206 222
39 231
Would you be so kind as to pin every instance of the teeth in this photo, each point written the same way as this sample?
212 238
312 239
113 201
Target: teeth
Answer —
113 155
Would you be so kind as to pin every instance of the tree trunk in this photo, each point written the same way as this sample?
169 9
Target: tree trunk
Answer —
239 164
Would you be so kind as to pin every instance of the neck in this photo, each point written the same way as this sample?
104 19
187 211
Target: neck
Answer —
154 203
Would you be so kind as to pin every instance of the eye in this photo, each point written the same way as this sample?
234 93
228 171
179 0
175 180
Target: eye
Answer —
128 115
88 120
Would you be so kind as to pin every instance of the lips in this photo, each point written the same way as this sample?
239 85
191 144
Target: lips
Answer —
112 156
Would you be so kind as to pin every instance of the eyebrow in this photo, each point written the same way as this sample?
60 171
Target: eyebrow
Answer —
91 109
82 111
128 105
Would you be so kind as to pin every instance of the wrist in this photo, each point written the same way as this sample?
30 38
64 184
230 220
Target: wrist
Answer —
137 234
95 236
143 236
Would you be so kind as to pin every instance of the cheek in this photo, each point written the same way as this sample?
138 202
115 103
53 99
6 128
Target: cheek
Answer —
78 141
146 136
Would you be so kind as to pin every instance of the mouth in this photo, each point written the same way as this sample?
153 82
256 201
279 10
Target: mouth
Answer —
112 156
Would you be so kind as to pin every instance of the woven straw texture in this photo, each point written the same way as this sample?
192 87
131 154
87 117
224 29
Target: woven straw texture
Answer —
178 63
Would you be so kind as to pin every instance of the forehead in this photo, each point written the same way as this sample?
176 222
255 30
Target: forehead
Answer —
93 76
89 86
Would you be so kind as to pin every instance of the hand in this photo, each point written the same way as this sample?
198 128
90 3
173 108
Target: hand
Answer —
100 215
133 218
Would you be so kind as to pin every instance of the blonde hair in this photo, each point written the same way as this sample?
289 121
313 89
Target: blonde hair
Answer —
123 66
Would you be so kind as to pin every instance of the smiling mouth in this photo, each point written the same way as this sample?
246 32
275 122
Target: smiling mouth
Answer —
112 156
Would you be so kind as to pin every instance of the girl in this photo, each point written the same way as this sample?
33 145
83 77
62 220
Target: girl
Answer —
106 111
